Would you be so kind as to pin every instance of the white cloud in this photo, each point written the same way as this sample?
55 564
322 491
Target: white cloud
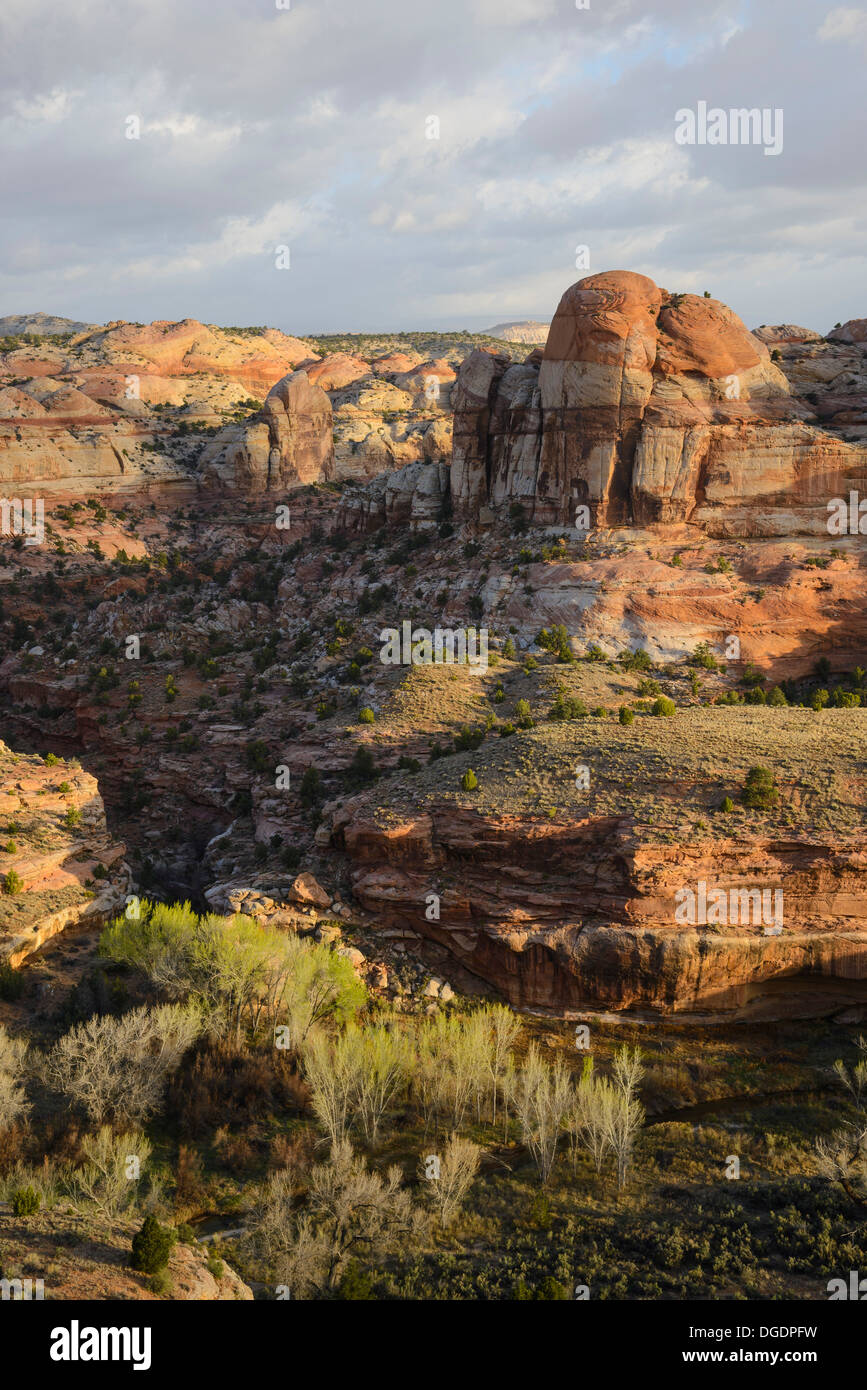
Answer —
844 23
48 108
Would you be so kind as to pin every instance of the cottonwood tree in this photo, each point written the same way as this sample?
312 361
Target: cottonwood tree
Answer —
333 1067
586 1119
108 1177
623 1120
243 974
14 1104
842 1156
505 1027
319 985
453 1066
351 1212
117 1068
541 1096
384 1072
454 1175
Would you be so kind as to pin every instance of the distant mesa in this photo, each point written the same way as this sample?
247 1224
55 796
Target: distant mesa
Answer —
520 331
44 325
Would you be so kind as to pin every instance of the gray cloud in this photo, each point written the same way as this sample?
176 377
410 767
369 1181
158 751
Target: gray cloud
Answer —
262 126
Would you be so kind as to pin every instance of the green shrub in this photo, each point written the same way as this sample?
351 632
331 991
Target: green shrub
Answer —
566 706
704 657
727 804
12 884
639 660
664 707
366 716
216 1267
759 792
469 781
356 1283
161 1283
151 1247
648 686
25 1201
625 715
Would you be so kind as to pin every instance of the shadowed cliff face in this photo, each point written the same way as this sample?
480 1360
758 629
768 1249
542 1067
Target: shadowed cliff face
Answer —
647 407
583 913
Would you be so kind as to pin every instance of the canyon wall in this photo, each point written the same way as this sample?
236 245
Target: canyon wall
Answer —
585 913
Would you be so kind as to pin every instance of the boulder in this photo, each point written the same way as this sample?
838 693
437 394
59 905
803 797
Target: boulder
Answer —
305 889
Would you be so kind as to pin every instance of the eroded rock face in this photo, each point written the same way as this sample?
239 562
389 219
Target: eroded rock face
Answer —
413 496
651 408
578 914
289 442
66 868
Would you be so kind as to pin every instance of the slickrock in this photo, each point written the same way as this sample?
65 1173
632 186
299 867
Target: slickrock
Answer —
655 408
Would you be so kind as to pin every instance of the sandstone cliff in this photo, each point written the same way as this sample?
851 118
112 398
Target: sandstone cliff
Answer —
648 407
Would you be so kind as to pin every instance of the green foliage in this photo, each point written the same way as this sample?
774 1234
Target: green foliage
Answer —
12 884
256 754
151 1247
467 739
366 716
704 657
639 660
625 715
311 787
25 1201
566 706
356 1283
759 792
557 641
230 964
648 686
664 707
727 804
469 781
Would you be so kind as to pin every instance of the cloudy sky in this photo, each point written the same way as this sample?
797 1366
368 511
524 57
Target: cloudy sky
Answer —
308 127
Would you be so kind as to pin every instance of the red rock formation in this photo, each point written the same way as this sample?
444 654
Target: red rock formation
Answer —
584 913
649 407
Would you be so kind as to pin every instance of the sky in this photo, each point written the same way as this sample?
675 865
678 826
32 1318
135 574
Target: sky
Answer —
384 165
